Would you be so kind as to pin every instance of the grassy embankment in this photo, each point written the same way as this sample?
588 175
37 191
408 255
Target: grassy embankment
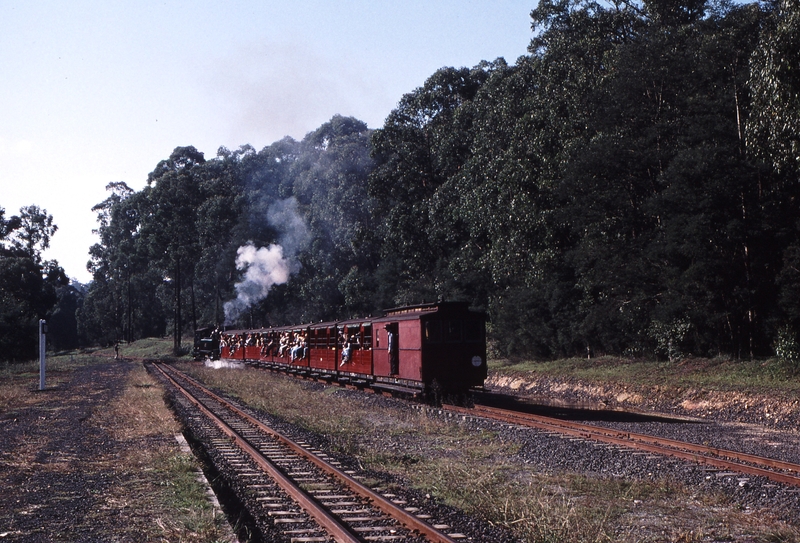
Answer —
715 374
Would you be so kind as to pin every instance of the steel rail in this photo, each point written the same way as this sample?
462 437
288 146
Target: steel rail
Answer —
693 452
339 532
685 445
407 519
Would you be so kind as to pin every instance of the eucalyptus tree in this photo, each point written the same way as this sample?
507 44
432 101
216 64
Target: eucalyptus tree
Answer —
773 128
169 227
122 301
423 142
28 285
339 258
528 123
773 135
111 265
660 193
220 220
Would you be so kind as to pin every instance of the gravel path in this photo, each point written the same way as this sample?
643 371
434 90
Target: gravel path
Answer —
72 471
43 455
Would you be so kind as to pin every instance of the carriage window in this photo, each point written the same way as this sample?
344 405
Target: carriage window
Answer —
354 336
472 331
433 331
367 336
452 330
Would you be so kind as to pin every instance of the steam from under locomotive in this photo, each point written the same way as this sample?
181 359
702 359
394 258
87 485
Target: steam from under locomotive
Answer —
268 266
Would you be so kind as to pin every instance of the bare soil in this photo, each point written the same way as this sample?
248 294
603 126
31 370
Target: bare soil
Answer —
77 465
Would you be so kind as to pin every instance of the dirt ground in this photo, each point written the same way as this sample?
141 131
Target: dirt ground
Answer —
71 470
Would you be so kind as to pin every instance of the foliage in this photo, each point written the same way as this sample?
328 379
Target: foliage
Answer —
29 287
773 132
629 186
787 349
669 336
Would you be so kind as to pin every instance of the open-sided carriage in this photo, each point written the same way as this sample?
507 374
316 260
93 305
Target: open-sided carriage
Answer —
439 348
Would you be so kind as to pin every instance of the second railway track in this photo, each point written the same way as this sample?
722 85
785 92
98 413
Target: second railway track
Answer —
301 493
759 466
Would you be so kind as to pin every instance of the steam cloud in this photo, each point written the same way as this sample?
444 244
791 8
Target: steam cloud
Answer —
268 266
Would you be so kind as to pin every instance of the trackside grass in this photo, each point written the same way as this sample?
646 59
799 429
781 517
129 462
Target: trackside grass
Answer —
479 472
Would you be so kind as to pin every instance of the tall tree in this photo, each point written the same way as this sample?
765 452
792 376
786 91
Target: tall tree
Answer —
28 286
423 142
169 226
773 128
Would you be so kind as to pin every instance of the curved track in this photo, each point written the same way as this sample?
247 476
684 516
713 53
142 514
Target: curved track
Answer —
308 497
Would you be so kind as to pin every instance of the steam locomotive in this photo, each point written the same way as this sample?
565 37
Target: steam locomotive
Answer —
436 348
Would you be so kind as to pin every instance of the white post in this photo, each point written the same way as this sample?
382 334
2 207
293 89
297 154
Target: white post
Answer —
42 333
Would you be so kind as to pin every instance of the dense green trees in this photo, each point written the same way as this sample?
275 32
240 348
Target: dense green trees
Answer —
29 286
629 186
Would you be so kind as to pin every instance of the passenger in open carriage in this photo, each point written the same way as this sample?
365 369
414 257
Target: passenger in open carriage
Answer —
299 347
266 345
284 343
272 346
347 349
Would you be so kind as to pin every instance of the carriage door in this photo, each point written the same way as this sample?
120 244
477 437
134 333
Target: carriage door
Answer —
393 344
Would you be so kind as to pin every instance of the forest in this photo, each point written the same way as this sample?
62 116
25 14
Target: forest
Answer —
629 187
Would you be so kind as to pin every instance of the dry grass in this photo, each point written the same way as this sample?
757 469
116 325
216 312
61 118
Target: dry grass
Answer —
168 490
141 407
12 394
290 401
437 457
156 496
16 382
20 380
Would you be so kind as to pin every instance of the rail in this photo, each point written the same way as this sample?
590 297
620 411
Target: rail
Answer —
331 523
701 454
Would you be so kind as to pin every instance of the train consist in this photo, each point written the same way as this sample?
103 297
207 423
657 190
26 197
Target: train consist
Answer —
437 348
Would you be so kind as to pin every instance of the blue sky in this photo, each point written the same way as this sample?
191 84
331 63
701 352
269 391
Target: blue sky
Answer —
99 91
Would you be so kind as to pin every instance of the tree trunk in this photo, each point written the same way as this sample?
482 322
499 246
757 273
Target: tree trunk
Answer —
194 309
176 334
129 334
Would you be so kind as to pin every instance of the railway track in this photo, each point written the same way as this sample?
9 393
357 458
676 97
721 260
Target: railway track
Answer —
775 470
300 491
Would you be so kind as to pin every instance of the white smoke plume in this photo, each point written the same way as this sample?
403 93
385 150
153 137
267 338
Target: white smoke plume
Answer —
266 267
